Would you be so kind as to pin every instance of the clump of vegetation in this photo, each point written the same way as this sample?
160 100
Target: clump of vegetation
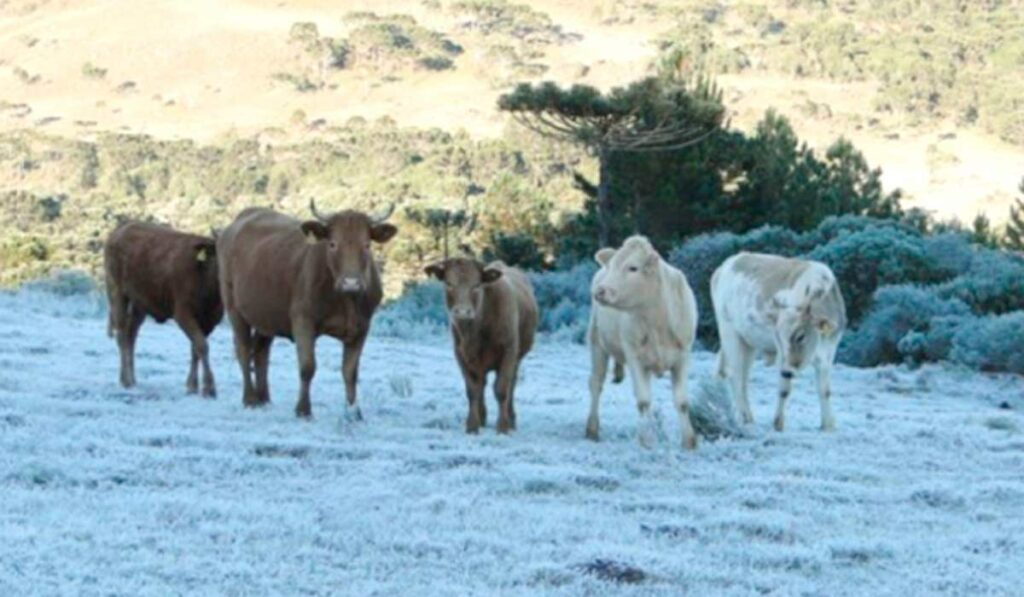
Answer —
300 83
392 42
516 36
91 71
313 56
25 77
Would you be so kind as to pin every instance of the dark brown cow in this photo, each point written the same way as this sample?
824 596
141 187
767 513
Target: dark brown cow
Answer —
156 271
493 317
298 280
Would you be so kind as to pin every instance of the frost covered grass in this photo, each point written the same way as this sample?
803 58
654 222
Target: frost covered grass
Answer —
152 492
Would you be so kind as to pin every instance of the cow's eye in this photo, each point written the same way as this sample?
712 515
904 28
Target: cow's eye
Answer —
634 268
799 338
333 245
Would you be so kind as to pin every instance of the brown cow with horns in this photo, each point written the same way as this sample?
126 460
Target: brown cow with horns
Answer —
298 280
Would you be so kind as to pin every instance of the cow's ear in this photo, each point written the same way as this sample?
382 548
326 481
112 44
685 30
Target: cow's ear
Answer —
604 255
205 251
382 233
490 275
314 230
436 270
651 262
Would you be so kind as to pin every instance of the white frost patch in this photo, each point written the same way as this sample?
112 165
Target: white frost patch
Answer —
151 492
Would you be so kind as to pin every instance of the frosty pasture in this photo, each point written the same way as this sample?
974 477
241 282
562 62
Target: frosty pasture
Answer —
152 492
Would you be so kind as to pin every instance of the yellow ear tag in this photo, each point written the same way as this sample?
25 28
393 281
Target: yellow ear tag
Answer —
201 255
825 328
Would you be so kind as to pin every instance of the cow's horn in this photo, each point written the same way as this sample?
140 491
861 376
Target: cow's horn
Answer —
316 214
381 217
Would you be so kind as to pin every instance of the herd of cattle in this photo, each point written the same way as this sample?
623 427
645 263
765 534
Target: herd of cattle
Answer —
275 276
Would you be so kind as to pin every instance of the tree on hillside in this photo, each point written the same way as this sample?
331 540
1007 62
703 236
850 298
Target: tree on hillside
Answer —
1015 227
655 114
441 223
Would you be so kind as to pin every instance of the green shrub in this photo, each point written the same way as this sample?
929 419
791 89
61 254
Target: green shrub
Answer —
873 257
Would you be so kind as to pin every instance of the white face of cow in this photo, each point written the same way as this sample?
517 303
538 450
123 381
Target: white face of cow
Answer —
631 275
798 332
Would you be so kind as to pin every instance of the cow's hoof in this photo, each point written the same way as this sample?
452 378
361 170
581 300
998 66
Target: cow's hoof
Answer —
690 443
828 427
303 410
353 414
209 392
503 426
191 390
780 425
593 435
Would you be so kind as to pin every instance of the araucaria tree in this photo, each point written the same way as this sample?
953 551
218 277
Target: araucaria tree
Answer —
1015 227
655 114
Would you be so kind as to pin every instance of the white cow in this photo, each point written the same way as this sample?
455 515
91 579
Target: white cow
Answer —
791 309
643 313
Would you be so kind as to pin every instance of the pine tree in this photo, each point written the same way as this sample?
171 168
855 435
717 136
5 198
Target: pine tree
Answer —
655 114
1015 227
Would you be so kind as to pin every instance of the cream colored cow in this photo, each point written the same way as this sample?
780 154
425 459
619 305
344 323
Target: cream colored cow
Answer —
643 314
790 310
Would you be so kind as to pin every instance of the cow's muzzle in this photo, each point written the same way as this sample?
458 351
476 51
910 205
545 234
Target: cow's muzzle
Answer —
604 295
350 284
463 313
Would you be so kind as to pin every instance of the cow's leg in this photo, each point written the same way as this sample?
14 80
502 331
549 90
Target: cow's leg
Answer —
737 358
619 373
135 318
642 391
261 363
243 354
681 402
200 352
785 388
504 388
598 371
305 341
350 374
475 380
512 393
823 372
192 381
118 326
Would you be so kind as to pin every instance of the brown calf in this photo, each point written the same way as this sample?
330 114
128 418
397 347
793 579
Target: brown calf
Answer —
493 317
298 280
156 271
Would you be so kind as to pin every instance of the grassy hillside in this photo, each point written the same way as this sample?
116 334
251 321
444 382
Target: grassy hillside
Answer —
184 113
519 183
